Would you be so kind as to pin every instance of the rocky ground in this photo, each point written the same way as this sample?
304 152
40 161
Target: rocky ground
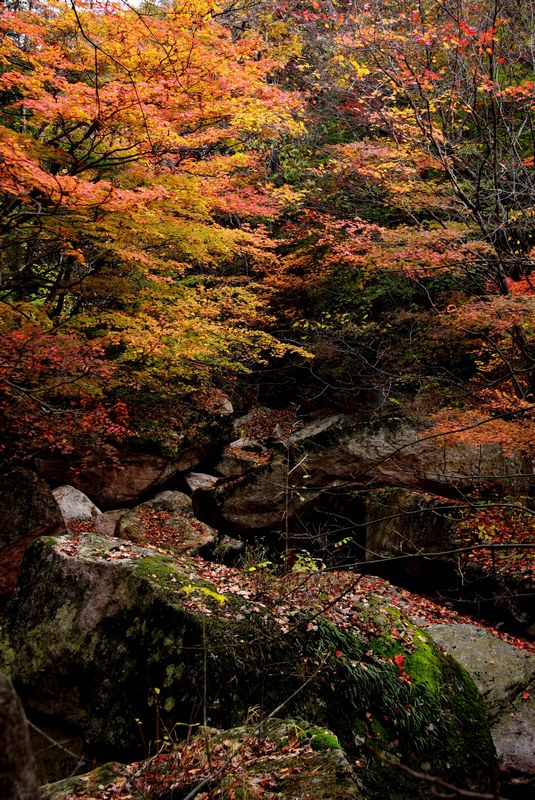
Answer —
132 626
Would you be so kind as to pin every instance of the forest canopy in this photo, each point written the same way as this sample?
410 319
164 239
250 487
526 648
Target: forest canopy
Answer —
193 192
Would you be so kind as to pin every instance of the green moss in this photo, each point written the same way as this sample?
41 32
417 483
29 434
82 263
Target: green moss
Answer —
8 655
157 569
467 739
162 572
169 704
423 664
422 660
371 687
434 715
48 541
320 739
379 734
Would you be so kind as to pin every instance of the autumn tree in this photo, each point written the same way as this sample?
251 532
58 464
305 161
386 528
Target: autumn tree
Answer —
128 187
407 267
456 80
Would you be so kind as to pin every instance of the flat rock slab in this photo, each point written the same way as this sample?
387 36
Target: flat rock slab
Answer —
292 760
104 776
200 480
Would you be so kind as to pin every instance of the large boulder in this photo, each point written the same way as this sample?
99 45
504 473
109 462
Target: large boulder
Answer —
112 637
119 479
337 452
289 758
171 513
75 506
27 509
505 677
399 453
258 499
18 779
402 522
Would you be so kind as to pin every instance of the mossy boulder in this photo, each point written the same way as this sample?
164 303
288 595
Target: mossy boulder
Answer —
123 641
252 761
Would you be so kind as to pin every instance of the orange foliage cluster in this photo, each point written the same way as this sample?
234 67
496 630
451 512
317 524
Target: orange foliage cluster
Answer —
325 243
110 109
516 434
126 162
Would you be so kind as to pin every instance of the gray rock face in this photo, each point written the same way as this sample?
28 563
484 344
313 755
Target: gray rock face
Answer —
106 523
200 480
499 670
337 451
18 779
172 501
398 453
119 481
505 677
514 734
402 521
27 510
74 505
